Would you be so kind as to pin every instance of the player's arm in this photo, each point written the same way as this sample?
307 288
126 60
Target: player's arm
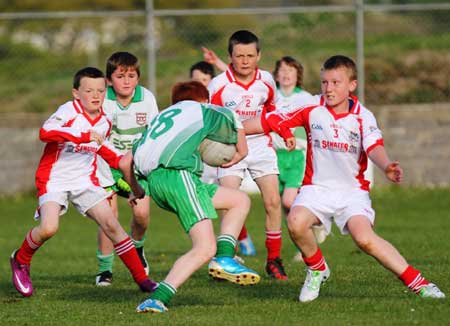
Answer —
126 165
392 169
211 57
241 149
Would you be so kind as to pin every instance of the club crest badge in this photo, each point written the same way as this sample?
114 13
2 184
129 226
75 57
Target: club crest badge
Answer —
141 119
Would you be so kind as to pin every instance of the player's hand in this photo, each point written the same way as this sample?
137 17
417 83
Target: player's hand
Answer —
209 55
236 159
290 143
134 196
94 136
394 172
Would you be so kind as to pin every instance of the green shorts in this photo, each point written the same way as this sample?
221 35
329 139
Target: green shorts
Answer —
292 167
182 192
122 188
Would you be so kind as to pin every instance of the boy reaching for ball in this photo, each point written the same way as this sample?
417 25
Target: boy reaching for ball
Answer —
168 156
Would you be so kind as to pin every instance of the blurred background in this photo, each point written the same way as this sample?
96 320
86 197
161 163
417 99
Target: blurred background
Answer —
402 49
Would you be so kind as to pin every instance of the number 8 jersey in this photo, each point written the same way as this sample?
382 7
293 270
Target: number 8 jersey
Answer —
173 137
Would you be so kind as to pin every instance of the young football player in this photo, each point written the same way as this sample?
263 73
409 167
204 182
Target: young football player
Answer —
74 135
130 107
342 136
202 72
168 155
250 92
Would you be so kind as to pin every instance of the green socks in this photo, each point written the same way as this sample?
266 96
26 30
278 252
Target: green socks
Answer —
226 245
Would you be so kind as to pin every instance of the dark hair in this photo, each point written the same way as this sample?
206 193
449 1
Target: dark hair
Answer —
291 62
341 61
121 59
204 67
191 90
242 37
89 72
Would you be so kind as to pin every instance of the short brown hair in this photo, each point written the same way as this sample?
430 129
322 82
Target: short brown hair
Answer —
121 59
191 90
341 61
291 62
90 72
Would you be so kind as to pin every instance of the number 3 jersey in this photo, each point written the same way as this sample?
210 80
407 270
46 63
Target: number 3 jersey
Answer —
69 160
172 139
338 144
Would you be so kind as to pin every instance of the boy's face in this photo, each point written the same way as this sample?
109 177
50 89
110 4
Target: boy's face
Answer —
244 59
198 75
337 86
286 75
124 81
91 93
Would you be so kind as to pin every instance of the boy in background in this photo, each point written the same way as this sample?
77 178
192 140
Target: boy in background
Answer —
251 92
74 135
130 107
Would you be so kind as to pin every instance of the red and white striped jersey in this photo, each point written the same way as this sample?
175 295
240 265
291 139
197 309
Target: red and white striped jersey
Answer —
338 144
69 160
248 101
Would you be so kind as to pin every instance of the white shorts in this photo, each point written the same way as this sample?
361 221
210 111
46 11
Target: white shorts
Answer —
82 199
260 161
338 205
209 174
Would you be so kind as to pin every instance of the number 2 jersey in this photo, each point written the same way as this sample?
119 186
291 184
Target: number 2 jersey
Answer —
338 144
69 160
172 139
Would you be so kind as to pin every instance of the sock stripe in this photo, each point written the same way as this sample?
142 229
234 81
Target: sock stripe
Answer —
227 238
273 234
33 245
124 246
169 287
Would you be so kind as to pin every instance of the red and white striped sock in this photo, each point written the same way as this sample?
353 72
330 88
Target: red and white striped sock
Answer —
316 262
273 244
27 249
413 279
127 253
243 234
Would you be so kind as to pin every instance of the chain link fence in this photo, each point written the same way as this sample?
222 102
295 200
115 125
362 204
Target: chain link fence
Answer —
406 47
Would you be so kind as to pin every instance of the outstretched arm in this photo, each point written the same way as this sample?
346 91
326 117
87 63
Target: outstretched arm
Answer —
392 169
211 57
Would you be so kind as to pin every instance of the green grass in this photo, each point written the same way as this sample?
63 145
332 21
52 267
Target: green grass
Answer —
359 291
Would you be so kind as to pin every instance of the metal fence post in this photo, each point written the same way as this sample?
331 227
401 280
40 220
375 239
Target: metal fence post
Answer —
150 44
359 4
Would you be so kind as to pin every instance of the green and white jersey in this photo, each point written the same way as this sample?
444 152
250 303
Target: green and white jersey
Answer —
172 139
128 125
130 122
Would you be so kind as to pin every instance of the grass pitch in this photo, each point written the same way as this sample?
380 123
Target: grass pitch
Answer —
359 292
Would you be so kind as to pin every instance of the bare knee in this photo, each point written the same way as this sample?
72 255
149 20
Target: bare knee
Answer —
297 226
365 242
286 202
272 204
46 231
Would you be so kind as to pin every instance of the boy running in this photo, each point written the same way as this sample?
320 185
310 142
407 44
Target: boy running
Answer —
342 135
130 107
168 155
74 135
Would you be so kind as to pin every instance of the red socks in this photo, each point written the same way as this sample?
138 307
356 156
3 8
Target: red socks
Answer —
413 279
273 244
128 254
27 250
316 262
243 234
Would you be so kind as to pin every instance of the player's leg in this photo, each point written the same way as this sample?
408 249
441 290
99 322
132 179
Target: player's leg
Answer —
311 207
21 258
105 251
246 246
268 185
236 205
139 225
360 228
203 249
103 215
